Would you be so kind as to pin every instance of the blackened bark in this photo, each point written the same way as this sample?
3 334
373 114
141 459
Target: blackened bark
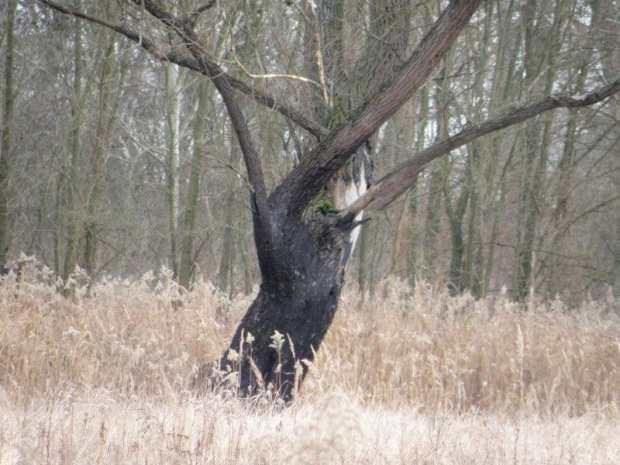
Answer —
301 308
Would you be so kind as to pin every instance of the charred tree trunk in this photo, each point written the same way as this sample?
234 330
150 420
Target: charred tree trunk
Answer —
302 259
300 307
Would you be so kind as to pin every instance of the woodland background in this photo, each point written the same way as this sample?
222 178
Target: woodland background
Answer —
117 164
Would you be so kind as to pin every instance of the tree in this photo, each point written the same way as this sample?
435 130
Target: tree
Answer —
189 218
110 94
73 183
303 246
6 149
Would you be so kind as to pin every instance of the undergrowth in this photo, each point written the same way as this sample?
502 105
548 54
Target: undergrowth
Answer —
118 357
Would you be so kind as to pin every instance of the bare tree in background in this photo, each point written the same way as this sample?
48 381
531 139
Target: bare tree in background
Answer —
304 229
6 148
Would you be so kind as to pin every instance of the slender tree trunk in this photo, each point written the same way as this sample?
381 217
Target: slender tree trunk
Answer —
401 243
476 162
73 187
432 222
438 176
108 107
536 143
173 87
189 220
566 165
471 275
495 232
362 277
58 222
6 148
403 234
455 216
506 59
414 230
41 213
224 272
227 246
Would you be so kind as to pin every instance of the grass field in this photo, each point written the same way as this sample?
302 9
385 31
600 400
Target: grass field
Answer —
404 377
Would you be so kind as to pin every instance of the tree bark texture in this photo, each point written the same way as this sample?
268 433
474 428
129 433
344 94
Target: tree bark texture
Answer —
301 308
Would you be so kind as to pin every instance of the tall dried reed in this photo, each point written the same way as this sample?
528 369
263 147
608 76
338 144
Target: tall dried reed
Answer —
148 337
403 377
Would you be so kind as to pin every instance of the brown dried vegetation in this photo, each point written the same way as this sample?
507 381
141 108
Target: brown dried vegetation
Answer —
403 377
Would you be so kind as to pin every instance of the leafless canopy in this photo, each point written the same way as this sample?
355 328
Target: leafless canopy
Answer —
336 146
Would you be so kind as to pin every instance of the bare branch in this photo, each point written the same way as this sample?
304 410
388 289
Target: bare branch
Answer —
78 14
202 8
269 252
394 184
209 67
158 12
307 178
270 101
187 34
293 77
187 61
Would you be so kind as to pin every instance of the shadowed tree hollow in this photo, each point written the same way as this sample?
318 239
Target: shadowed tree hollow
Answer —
305 227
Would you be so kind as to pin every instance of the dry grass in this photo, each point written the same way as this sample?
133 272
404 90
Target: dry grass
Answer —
401 378
98 428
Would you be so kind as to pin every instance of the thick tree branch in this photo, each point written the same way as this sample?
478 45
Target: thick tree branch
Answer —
305 181
189 62
115 27
391 186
